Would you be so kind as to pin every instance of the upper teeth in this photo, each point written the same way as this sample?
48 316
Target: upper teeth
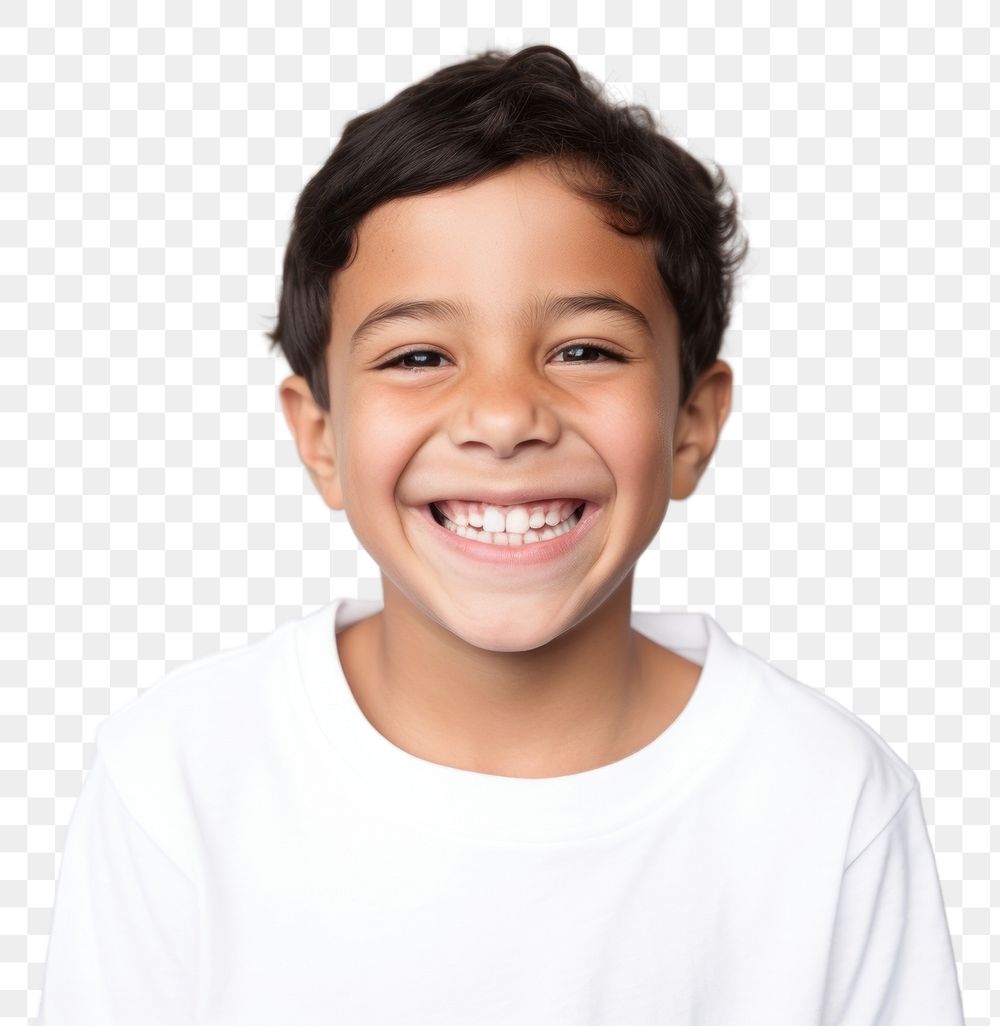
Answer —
508 519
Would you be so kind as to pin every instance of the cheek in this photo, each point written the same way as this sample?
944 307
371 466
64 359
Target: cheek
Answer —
378 440
643 473
635 436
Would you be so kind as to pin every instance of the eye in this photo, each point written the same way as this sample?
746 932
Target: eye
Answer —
580 347
397 361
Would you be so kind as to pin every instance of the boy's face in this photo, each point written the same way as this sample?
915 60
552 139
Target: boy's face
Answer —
497 403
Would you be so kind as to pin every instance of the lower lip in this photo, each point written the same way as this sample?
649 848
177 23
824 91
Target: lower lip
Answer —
515 556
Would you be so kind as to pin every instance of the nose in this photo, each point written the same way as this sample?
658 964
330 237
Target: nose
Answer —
504 411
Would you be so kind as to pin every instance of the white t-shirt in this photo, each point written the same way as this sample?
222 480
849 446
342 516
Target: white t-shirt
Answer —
248 850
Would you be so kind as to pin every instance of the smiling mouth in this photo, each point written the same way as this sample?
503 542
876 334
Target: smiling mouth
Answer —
510 538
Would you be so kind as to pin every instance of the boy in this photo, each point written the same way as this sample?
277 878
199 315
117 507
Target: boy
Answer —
499 796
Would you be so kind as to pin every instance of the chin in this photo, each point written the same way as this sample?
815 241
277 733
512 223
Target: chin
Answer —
503 633
505 644
496 646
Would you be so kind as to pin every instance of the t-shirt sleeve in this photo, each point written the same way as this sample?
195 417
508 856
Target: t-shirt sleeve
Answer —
891 960
123 941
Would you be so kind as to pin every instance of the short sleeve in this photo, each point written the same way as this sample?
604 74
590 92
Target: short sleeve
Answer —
123 942
891 960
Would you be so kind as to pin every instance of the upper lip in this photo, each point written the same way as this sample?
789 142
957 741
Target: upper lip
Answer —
520 497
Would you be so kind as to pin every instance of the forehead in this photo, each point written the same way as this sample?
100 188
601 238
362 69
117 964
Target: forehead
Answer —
494 247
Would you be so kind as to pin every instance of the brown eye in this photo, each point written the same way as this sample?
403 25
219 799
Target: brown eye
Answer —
578 347
417 355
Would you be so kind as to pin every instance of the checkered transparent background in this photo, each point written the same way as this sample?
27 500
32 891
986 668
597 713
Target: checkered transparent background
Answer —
154 508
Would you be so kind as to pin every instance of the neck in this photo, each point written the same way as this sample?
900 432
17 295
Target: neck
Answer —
561 708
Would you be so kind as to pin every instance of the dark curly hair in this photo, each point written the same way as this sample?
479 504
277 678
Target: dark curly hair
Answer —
472 118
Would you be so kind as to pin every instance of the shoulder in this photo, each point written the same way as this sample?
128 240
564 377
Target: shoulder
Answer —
176 738
822 759
794 760
809 721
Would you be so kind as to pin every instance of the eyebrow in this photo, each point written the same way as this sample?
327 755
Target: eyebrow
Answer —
539 312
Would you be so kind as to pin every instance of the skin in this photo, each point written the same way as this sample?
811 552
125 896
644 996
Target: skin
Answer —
537 672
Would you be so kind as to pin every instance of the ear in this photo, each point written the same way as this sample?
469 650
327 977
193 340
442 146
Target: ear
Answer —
312 430
699 424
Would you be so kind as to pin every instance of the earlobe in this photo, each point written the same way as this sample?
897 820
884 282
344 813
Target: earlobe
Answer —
310 429
699 425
